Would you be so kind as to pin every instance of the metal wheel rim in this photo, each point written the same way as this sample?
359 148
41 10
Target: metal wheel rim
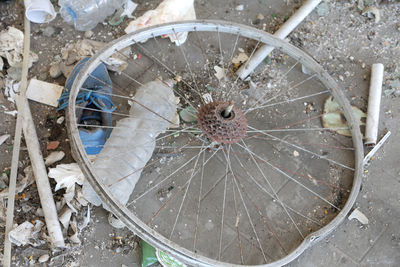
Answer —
139 227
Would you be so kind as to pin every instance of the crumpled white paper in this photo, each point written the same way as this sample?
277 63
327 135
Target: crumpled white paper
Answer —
11 47
167 11
66 176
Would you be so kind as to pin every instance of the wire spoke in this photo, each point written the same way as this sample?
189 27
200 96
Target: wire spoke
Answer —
290 177
304 149
167 68
248 215
223 207
187 189
270 194
270 186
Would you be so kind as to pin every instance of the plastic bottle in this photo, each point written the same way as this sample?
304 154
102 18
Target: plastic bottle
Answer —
132 142
86 14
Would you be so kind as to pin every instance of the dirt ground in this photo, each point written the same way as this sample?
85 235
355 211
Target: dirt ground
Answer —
337 35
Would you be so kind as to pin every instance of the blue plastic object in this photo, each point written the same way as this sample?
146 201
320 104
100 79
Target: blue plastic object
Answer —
95 95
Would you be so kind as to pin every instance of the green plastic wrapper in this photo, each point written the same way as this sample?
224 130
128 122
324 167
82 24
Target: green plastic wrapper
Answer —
148 254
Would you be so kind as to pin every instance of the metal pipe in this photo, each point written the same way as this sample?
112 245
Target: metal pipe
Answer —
282 33
374 104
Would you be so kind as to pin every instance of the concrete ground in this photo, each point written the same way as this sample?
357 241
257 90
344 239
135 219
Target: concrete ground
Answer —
346 44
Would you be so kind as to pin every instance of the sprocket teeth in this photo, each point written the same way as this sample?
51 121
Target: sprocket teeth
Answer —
218 128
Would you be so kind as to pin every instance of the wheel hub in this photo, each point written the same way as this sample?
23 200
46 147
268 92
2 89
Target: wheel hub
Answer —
222 122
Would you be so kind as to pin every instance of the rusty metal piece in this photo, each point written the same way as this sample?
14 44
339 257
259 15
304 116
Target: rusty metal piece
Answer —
221 126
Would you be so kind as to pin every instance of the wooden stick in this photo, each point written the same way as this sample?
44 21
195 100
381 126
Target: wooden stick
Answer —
16 147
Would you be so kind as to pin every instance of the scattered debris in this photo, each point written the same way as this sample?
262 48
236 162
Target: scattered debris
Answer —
44 92
54 157
60 120
323 9
372 12
333 118
219 73
43 258
26 233
73 53
11 46
188 114
23 182
358 215
239 59
52 145
10 89
55 71
66 176
239 8
167 11
3 138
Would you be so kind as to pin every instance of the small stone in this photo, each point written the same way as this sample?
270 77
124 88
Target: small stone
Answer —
49 31
55 71
397 93
239 7
15 72
363 65
88 34
72 58
295 153
60 120
260 16
44 258
66 70
351 58
53 145
323 9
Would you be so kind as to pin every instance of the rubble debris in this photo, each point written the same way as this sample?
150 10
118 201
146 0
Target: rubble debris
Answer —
167 11
44 92
26 233
359 216
372 12
10 89
323 9
52 145
66 176
54 157
55 71
188 114
240 59
239 8
60 120
11 46
23 182
73 53
3 138
333 118
43 258
219 72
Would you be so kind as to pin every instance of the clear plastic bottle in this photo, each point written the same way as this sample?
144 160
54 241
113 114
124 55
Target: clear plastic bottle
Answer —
132 142
86 14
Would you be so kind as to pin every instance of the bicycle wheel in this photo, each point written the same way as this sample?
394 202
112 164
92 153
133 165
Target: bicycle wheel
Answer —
256 179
